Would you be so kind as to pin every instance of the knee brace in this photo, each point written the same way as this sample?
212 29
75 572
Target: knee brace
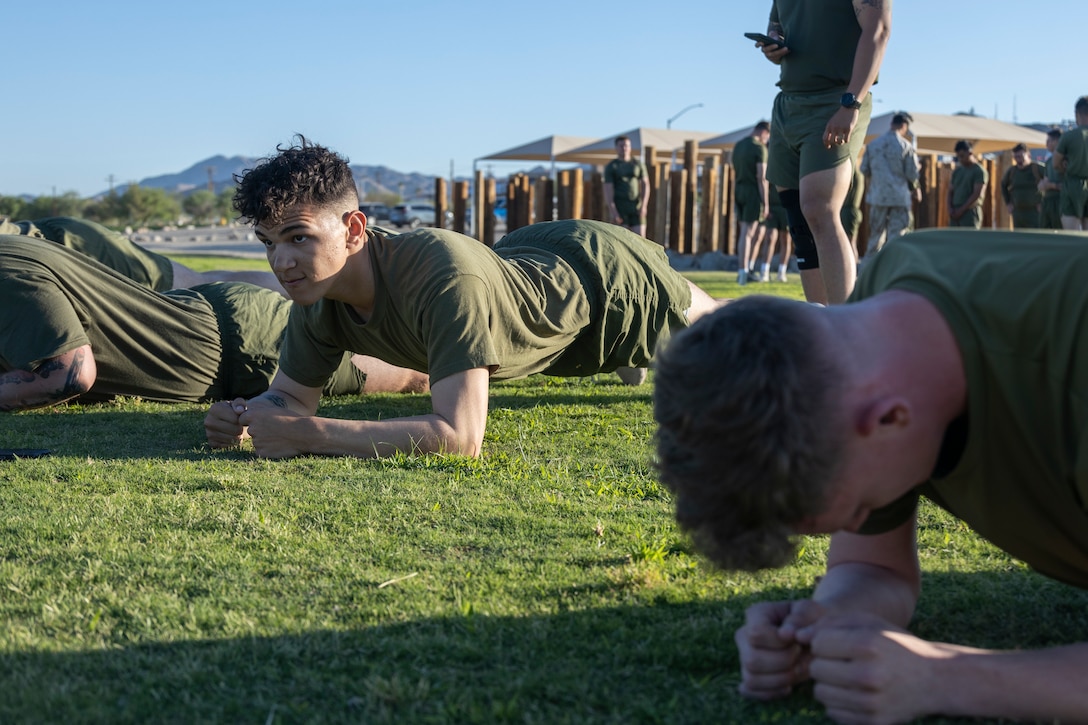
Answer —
804 246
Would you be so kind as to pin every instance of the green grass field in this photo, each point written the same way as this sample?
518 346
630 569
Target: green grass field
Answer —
145 578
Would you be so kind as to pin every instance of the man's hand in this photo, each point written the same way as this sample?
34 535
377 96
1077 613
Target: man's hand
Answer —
272 429
868 671
918 194
840 127
222 424
774 53
772 660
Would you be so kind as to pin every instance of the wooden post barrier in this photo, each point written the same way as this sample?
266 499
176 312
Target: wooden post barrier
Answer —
544 192
678 240
478 206
728 243
710 212
928 210
691 169
563 197
441 205
577 194
944 182
460 204
657 220
594 204
488 217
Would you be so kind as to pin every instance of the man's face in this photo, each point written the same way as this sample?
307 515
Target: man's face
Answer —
1020 158
623 148
306 250
1051 144
764 137
963 156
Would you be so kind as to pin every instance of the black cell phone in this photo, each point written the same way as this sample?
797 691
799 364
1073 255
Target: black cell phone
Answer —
765 39
14 454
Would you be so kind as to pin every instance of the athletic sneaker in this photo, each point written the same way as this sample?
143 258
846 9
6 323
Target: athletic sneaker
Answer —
782 277
742 277
755 276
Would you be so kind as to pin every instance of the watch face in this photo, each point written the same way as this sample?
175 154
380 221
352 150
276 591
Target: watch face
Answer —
849 100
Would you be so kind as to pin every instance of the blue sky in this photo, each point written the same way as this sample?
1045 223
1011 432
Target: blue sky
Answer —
138 89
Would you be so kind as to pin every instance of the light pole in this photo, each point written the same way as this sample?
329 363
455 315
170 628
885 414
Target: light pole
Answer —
668 124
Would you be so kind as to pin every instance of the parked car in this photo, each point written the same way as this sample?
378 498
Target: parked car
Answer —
375 211
412 215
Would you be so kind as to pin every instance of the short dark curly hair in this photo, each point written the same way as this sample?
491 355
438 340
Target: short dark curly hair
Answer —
303 174
749 437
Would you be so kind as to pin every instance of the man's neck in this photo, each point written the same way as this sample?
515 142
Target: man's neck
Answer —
914 344
355 284
902 346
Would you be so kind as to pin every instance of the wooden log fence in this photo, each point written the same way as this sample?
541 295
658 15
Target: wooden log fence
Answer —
691 206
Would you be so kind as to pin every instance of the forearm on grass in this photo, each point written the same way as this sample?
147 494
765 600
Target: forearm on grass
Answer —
1039 685
420 434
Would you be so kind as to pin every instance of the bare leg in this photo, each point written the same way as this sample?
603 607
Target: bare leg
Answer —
702 303
812 282
1072 223
381 377
822 196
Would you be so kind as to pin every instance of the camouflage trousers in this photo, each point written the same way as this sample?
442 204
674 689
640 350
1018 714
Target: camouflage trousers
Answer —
887 223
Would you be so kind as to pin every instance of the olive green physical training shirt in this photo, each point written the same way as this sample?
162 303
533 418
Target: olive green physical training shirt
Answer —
964 179
626 178
823 39
1020 186
1017 305
748 153
564 298
1073 145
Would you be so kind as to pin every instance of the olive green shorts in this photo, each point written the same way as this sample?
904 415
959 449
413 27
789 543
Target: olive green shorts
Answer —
797 148
1075 197
748 203
777 219
252 321
630 213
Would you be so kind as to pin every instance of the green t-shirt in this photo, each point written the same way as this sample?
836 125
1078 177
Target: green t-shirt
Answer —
112 249
822 38
1054 176
1073 145
1015 303
748 153
560 298
964 179
1020 186
626 179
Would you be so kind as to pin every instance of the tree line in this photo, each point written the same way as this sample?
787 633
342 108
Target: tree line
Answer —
136 207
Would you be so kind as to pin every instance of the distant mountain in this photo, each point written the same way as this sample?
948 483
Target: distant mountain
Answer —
217 173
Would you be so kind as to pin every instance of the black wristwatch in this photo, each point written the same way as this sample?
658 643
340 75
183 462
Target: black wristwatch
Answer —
849 100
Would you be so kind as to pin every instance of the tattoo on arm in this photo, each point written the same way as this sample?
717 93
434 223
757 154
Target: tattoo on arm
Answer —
774 28
275 400
877 5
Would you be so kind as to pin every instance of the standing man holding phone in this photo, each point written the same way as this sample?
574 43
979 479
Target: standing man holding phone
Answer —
830 54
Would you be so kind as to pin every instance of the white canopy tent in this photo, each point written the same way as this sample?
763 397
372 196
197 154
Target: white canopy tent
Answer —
939 133
664 141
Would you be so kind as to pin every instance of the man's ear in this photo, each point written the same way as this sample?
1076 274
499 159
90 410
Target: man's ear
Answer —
884 414
355 221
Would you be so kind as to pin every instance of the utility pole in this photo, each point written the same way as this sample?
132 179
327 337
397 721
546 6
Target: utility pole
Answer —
211 179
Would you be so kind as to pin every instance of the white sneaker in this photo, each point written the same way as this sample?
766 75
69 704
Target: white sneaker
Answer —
742 277
782 277
755 276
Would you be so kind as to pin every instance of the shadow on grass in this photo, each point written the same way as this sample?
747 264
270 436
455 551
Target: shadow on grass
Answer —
668 663
133 429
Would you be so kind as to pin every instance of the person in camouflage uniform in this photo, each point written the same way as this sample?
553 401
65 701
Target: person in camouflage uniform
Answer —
890 164
1020 189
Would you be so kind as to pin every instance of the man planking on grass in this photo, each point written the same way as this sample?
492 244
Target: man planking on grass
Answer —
127 258
568 298
74 328
958 370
